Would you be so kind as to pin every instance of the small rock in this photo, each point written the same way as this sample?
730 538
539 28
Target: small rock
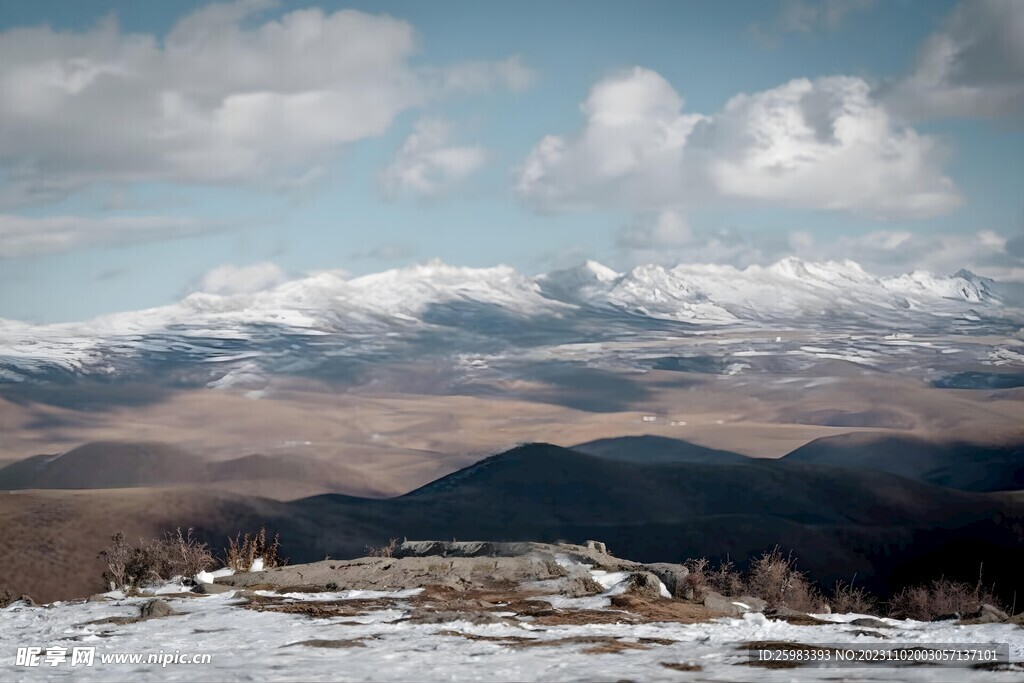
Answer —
987 614
598 546
674 578
733 606
579 586
212 588
793 616
869 622
448 616
154 609
954 616
98 597
644 585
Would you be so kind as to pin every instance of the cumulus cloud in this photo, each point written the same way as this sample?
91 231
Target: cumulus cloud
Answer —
229 279
815 144
629 152
221 98
972 67
805 16
825 144
32 235
427 164
667 229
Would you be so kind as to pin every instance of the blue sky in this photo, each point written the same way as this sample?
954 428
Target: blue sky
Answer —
150 144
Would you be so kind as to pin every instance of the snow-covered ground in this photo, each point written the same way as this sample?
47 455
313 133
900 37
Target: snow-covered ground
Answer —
380 645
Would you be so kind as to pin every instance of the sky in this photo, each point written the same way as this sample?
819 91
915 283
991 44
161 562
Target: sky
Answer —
149 150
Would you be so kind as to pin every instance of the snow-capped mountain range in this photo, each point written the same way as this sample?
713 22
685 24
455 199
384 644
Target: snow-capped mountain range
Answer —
493 311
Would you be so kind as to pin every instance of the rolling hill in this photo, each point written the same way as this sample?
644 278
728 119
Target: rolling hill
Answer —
886 529
958 465
113 465
651 449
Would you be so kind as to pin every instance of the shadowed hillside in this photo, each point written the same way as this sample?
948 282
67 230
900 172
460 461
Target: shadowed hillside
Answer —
838 522
112 465
652 449
959 465
886 529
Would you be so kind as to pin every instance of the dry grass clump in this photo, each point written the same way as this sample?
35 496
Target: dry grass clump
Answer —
773 577
242 551
849 600
384 550
154 560
724 578
940 598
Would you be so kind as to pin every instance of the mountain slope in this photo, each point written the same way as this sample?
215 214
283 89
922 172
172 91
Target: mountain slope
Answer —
837 521
300 325
651 449
112 465
958 465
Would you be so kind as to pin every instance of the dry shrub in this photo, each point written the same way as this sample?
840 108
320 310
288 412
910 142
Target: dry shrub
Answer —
696 580
940 598
773 577
154 560
384 550
242 551
185 554
849 600
723 579
727 580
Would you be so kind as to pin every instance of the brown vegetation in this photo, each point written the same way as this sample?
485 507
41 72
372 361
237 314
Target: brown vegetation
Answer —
153 560
384 550
940 598
242 551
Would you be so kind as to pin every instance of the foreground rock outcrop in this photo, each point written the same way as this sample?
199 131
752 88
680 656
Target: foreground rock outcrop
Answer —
563 568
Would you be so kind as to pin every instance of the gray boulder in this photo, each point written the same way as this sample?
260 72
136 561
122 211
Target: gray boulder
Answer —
644 585
154 609
212 588
869 622
673 576
733 606
987 614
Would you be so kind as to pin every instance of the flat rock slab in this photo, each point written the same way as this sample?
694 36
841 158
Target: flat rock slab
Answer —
389 574
587 555
457 565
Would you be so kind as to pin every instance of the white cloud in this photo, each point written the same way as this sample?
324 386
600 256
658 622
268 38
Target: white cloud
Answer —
229 279
825 144
220 98
427 165
821 144
973 67
29 236
805 17
667 229
629 152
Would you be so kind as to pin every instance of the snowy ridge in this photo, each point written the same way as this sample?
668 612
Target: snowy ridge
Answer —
329 314
788 288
